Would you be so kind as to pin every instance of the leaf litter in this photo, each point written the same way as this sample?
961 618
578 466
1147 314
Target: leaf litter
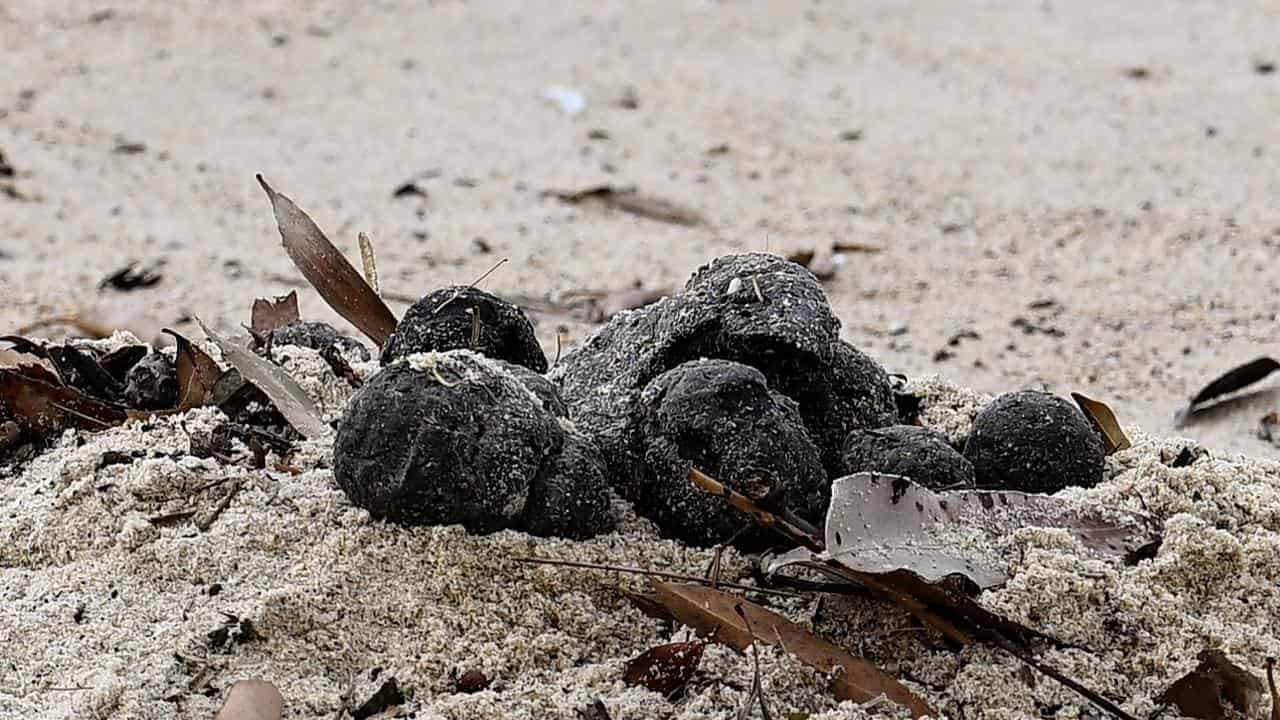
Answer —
630 200
1234 380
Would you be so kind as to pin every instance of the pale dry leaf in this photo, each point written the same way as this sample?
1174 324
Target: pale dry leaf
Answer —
880 524
328 271
1104 421
714 614
289 398
369 261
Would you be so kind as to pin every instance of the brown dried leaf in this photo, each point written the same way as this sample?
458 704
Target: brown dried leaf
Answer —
290 399
197 373
666 668
711 613
631 201
252 700
1236 378
1215 690
1104 421
41 405
273 314
328 271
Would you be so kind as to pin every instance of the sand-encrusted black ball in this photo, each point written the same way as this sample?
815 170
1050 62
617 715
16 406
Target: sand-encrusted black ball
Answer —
317 336
443 438
152 383
917 453
1034 442
569 497
720 417
464 318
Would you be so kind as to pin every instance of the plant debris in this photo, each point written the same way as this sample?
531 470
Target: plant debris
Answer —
883 524
388 696
471 681
730 620
1269 428
132 277
1104 421
197 374
328 271
252 700
599 306
268 315
665 669
1215 690
293 403
628 199
1237 378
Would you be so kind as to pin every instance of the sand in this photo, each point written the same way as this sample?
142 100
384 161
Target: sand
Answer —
1005 156
113 599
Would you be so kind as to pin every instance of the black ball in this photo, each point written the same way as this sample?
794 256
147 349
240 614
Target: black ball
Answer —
443 438
152 383
317 336
917 453
464 318
720 417
569 497
1034 442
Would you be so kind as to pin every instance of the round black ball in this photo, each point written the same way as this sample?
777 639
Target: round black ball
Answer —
1034 442
464 318
919 454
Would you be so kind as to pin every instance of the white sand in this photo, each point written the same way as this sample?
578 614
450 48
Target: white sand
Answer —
338 599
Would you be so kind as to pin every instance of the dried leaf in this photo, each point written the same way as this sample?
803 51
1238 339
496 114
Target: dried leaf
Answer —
42 406
711 613
880 524
1269 428
328 270
594 711
197 373
1215 690
664 669
252 700
854 247
388 695
268 315
631 201
290 399
131 277
1104 421
369 261
118 362
1234 379
823 269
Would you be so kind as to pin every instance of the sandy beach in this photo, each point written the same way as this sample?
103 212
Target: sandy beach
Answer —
1067 196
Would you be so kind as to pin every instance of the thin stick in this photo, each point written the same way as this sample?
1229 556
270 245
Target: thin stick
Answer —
206 523
64 408
369 261
1083 691
786 523
654 573
474 283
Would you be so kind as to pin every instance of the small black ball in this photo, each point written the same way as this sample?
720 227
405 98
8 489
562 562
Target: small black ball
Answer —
152 383
569 497
464 318
317 336
917 453
1034 442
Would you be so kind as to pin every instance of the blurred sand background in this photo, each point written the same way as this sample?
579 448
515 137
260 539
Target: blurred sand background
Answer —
1089 187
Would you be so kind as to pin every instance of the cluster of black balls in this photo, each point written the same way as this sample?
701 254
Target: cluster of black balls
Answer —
742 375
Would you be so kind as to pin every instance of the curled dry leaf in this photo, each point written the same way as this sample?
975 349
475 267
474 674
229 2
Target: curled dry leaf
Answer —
1237 378
273 314
1104 421
629 200
712 614
328 271
884 523
1215 690
290 399
40 405
664 669
197 373
252 700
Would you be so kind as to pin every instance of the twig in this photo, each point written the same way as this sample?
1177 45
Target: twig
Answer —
1095 698
785 522
654 573
206 523
474 283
